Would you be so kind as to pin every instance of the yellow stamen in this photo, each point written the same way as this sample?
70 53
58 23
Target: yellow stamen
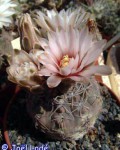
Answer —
65 61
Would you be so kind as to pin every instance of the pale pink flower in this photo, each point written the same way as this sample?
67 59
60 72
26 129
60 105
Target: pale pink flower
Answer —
63 19
70 54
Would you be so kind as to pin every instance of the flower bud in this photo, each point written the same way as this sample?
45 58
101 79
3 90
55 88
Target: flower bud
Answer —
23 71
28 35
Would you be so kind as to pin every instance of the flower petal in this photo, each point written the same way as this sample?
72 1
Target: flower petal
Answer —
54 47
98 70
53 81
61 40
75 46
76 60
65 71
51 67
83 35
43 42
45 72
94 52
41 21
76 78
47 58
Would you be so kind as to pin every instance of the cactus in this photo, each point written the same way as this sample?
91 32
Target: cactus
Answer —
107 15
65 98
68 116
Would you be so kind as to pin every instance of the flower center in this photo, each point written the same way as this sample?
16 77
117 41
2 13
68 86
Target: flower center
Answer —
65 61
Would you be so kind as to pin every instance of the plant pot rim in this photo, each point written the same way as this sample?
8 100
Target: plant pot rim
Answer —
6 135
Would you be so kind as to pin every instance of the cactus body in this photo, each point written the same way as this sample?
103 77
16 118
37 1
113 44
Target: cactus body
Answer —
67 116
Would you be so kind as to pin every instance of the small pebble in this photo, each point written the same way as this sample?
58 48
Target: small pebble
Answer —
101 117
104 147
118 135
